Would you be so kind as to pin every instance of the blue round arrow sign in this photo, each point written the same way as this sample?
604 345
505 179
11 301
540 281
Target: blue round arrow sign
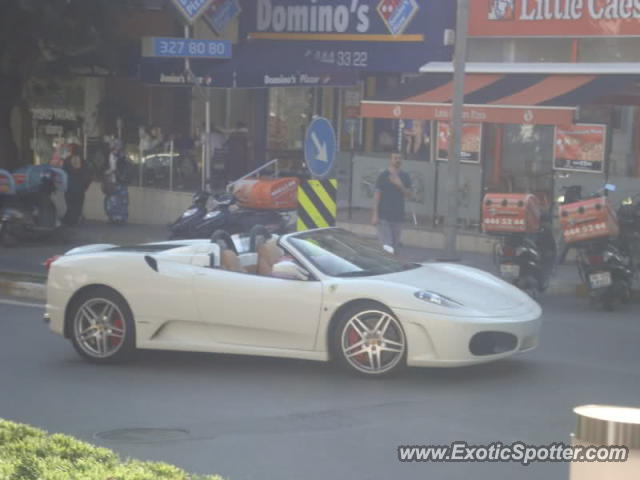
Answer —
320 147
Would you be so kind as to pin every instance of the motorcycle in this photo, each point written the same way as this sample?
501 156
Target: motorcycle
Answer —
190 218
604 256
525 251
527 260
29 212
196 222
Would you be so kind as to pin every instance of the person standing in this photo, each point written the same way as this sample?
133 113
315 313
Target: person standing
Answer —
215 142
77 174
116 199
393 185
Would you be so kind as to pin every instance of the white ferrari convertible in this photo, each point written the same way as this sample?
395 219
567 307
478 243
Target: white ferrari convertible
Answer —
322 294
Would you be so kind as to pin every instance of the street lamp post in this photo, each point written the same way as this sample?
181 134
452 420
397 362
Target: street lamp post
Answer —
455 141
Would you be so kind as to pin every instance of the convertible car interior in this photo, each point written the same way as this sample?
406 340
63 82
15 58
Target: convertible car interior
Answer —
260 260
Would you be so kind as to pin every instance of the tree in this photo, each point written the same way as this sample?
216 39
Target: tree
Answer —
43 39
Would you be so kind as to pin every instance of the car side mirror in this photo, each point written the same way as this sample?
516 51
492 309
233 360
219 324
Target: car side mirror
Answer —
290 270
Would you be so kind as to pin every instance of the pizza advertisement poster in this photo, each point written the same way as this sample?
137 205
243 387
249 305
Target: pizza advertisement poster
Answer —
580 147
471 142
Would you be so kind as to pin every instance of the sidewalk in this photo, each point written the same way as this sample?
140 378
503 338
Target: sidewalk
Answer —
22 265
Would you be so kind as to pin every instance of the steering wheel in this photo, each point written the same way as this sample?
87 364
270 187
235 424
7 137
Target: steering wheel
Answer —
255 232
223 239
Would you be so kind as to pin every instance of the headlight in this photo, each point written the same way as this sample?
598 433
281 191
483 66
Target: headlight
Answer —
190 213
437 299
627 201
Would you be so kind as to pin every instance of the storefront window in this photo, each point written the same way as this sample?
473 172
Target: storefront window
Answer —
609 50
520 50
527 160
290 111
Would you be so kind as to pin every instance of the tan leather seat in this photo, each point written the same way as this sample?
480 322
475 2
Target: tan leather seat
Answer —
229 261
269 254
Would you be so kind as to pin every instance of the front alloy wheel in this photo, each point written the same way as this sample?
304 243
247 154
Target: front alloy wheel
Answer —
370 341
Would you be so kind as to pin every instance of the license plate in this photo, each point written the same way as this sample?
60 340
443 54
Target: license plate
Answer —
509 270
600 280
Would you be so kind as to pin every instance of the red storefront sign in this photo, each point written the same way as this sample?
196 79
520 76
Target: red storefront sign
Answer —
554 18
472 113
580 148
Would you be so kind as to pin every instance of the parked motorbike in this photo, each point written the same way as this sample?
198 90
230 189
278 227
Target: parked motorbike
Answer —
185 225
525 252
29 213
227 216
528 260
603 245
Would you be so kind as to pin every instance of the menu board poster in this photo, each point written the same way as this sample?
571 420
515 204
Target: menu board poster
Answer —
580 147
471 142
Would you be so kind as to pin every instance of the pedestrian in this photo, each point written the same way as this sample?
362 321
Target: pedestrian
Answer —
393 185
238 159
215 141
116 179
77 179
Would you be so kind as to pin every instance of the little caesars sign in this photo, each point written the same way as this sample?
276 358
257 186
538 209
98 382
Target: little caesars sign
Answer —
552 18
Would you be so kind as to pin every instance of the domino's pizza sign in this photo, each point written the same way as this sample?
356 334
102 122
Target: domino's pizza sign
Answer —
397 14
191 10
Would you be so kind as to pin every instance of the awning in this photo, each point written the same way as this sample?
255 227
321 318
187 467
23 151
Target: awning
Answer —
519 98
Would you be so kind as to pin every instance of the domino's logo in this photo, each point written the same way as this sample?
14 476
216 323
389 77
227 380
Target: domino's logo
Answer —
397 14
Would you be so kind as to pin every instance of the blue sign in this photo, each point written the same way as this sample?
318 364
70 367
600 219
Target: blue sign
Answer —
320 147
189 48
341 35
221 14
192 9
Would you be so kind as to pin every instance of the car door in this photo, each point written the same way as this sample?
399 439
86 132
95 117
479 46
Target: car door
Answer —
260 311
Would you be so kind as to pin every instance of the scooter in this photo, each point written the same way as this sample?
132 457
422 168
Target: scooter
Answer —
604 259
525 251
187 222
227 216
527 259
30 214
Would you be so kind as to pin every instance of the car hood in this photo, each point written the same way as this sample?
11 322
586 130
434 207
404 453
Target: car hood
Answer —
476 290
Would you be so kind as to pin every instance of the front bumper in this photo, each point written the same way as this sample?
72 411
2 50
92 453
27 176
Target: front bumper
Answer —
448 341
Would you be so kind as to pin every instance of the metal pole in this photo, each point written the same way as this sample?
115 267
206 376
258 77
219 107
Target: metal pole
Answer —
206 173
171 165
455 140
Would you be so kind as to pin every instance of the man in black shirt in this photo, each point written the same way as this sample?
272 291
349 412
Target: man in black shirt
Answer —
392 187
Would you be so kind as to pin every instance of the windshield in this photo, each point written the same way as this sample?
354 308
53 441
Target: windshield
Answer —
340 253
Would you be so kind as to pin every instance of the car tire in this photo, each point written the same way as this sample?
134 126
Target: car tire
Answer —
101 326
368 339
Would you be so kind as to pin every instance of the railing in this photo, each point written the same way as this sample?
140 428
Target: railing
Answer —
255 172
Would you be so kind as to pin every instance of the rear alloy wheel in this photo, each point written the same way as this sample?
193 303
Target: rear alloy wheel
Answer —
102 328
369 340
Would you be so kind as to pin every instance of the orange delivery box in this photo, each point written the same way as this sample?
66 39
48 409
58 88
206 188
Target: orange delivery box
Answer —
267 193
588 220
510 213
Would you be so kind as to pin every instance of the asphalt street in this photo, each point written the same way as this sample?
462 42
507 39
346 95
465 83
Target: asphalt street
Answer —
257 418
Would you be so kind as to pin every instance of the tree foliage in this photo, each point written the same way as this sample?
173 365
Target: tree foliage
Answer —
44 39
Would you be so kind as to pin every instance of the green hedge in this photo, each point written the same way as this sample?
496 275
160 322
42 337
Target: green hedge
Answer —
27 453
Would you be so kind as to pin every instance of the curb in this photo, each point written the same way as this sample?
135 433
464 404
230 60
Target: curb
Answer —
33 291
